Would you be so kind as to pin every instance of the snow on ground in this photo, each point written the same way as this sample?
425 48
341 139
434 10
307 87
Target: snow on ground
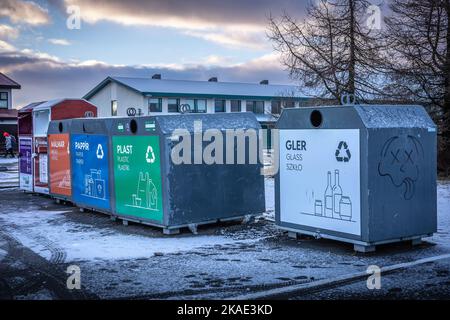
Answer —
9 178
120 261
5 161
442 236
50 229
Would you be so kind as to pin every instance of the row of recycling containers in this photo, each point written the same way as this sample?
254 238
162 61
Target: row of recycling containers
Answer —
360 174
122 167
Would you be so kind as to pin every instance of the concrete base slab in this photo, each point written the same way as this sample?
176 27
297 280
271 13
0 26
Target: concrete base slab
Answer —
171 231
363 248
293 235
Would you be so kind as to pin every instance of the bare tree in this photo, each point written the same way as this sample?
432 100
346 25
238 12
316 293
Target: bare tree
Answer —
331 52
418 34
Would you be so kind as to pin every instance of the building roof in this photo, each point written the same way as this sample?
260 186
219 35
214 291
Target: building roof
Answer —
8 114
36 106
8 83
48 104
206 89
30 107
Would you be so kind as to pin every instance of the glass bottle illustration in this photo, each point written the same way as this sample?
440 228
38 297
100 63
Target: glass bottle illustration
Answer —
337 195
329 198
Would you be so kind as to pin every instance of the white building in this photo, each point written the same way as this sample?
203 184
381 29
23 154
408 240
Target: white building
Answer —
150 96
114 95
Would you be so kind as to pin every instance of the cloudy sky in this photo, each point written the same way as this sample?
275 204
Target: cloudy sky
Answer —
182 39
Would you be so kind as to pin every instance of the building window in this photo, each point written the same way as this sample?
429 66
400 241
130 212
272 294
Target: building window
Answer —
288 104
154 105
219 106
276 107
173 105
235 105
255 106
3 99
114 108
190 103
200 106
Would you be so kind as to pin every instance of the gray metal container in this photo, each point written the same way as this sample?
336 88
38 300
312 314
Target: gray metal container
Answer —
151 189
363 174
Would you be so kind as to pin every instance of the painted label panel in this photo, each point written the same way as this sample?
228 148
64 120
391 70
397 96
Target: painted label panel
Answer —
90 171
25 164
320 179
59 164
137 170
43 165
40 167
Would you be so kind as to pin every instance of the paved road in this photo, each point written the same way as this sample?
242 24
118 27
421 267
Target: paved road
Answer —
40 239
428 281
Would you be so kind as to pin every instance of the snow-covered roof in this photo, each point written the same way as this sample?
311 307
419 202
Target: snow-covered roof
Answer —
42 105
47 104
207 89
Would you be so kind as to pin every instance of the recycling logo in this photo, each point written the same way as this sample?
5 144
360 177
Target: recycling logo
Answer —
342 152
150 155
100 152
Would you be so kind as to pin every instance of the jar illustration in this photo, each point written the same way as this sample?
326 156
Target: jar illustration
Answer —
345 208
318 208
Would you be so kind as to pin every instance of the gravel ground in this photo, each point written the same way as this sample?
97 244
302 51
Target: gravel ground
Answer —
40 239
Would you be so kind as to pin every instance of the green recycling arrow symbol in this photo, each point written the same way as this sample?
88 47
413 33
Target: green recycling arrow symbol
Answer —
150 155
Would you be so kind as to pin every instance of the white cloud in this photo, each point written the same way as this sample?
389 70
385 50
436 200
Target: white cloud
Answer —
8 32
44 76
233 38
233 24
24 12
6 47
60 42
215 60
270 60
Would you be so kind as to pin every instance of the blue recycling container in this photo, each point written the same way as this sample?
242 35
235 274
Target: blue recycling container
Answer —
90 160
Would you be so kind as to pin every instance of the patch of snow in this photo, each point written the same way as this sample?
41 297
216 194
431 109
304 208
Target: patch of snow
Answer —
442 236
5 161
48 233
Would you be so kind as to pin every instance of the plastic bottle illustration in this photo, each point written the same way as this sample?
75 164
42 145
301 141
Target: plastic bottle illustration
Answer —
146 196
337 195
329 198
